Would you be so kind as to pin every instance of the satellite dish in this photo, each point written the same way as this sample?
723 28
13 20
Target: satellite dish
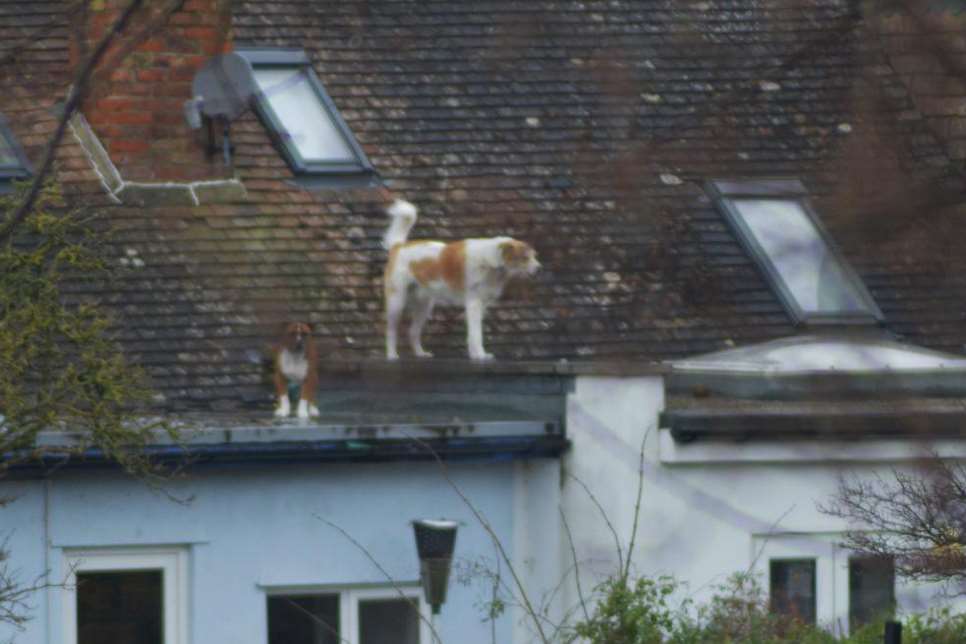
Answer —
224 87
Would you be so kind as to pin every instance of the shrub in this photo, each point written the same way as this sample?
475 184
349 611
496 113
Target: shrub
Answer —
644 611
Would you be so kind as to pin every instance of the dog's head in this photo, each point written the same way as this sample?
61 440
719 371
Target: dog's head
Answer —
519 258
295 336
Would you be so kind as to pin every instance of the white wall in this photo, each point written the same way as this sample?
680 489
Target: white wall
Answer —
700 520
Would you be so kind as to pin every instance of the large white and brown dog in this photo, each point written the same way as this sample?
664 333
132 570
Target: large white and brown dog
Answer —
470 273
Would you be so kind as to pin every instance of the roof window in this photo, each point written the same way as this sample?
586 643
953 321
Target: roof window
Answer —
777 226
303 119
13 162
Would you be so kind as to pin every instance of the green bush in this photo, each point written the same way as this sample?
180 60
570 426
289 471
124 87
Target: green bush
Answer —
935 627
644 611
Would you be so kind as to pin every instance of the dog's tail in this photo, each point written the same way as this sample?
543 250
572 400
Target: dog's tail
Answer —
403 216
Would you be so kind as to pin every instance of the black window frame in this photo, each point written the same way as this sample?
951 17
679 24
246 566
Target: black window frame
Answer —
351 597
773 604
326 173
725 191
856 616
19 170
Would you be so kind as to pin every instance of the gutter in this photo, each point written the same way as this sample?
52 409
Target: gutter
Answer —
476 449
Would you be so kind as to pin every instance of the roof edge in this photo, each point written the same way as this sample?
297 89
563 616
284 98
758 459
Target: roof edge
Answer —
375 366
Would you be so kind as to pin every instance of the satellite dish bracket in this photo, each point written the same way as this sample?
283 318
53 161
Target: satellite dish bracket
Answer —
223 90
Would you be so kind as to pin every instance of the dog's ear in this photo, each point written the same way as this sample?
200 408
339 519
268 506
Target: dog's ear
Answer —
514 252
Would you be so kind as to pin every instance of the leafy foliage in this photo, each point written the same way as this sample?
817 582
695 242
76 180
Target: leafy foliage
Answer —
644 611
61 370
936 627
632 612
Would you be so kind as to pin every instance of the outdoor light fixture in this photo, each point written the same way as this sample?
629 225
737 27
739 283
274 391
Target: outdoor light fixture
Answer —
435 540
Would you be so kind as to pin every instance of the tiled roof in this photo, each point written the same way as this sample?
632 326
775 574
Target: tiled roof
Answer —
586 128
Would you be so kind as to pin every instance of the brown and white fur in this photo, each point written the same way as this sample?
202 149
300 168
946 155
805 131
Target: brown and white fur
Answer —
470 273
296 362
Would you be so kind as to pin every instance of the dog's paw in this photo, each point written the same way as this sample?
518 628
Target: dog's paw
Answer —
313 411
392 356
303 410
283 409
423 354
482 356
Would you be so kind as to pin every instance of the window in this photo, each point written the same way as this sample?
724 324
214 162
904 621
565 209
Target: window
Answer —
120 596
872 589
776 225
792 588
303 119
355 616
13 163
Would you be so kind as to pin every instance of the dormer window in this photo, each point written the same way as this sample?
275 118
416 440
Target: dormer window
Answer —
777 226
13 162
303 119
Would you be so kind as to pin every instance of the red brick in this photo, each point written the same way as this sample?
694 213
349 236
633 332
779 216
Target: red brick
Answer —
153 44
133 118
201 33
122 75
130 146
151 75
114 104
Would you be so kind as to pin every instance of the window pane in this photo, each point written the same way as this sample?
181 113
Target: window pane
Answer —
303 619
120 607
388 621
801 257
872 586
7 156
305 120
792 588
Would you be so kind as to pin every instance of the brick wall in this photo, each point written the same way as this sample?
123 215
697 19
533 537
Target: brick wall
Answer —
136 99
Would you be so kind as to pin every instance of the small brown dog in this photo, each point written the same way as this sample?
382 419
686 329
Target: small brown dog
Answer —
296 371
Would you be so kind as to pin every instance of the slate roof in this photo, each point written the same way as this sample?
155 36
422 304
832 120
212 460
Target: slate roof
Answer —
586 128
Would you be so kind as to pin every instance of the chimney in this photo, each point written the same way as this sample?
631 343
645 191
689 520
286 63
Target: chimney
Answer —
136 96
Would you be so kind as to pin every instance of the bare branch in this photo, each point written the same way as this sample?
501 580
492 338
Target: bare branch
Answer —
383 570
528 606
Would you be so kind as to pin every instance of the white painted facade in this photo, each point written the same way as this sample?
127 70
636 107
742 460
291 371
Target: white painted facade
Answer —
713 508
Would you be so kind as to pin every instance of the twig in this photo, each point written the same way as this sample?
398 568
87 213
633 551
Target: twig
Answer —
528 607
603 514
384 572
637 504
317 619
75 96
573 553
771 530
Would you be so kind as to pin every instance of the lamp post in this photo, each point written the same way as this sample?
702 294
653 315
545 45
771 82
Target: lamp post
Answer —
435 542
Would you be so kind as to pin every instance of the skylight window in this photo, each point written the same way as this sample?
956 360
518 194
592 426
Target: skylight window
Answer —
303 119
776 225
13 163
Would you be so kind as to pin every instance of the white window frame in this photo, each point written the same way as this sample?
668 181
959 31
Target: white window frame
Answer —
349 598
172 562
338 172
726 192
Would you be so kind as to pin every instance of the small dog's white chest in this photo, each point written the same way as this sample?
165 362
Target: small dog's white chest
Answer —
294 366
